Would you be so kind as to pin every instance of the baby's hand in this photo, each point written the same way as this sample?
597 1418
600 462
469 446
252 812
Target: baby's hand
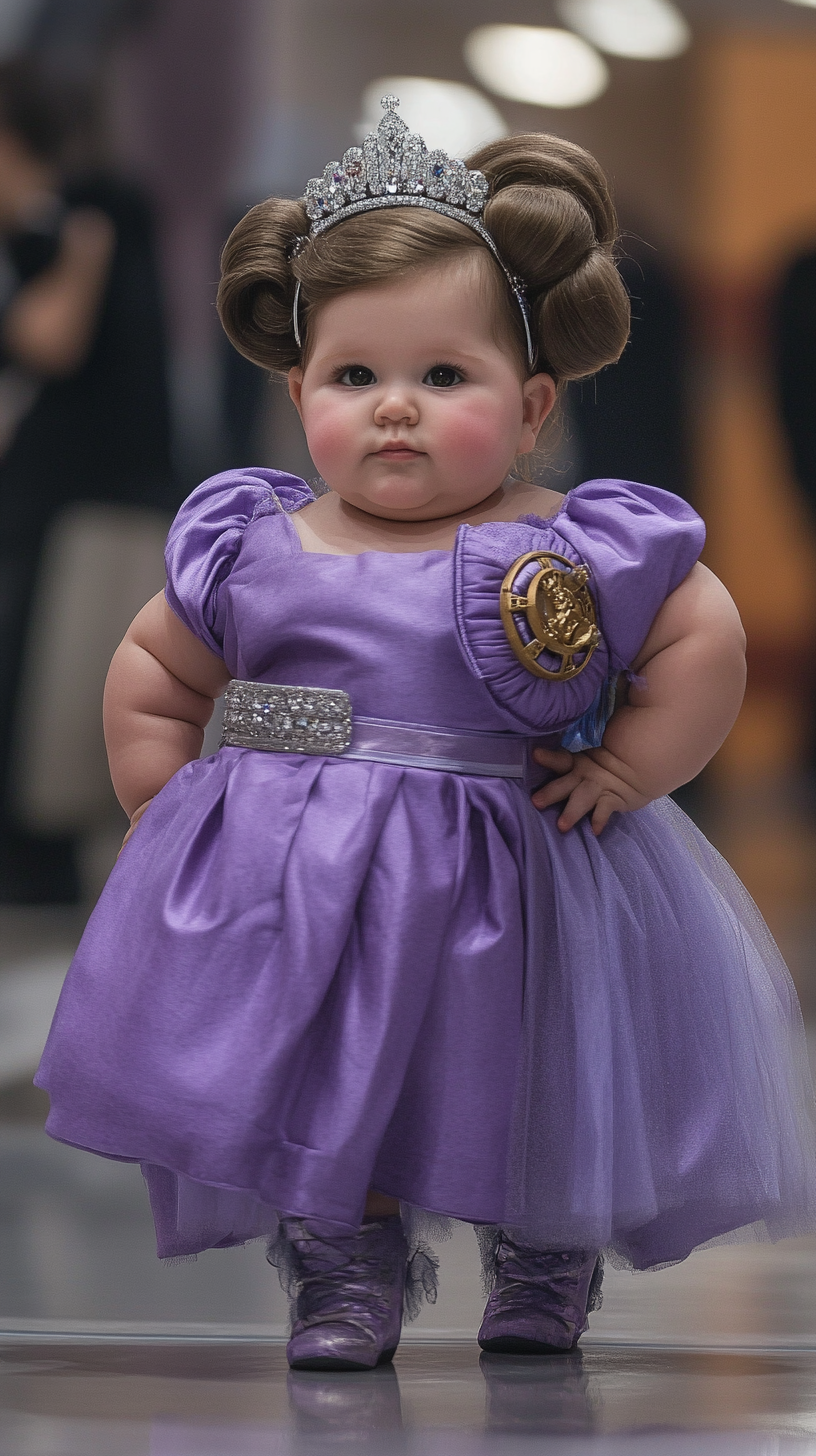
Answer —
134 819
591 782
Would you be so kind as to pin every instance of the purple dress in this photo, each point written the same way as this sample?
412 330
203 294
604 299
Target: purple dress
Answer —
311 975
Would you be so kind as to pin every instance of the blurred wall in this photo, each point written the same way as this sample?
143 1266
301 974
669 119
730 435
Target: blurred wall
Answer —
752 202
180 102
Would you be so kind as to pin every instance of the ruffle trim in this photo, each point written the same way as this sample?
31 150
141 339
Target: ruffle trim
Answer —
482 557
638 544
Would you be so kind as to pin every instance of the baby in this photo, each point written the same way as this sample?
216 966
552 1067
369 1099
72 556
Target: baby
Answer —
358 962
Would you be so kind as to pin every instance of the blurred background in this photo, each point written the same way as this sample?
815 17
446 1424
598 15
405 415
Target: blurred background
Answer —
133 134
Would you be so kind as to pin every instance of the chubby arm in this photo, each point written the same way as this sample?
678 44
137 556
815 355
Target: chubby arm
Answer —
692 667
158 700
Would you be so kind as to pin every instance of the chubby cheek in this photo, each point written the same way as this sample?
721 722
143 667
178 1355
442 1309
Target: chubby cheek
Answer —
333 437
477 436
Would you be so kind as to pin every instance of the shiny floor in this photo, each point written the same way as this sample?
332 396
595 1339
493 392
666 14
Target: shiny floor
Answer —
105 1352
238 1399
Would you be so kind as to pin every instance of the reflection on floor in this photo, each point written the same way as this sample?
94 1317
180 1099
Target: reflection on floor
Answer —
104 1350
237 1399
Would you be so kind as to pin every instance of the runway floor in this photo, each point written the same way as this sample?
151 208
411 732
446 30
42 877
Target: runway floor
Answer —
236 1398
715 1357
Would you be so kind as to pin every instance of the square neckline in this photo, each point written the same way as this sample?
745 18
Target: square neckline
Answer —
427 551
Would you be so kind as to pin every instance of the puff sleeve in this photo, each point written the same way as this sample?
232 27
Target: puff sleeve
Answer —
638 542
205 539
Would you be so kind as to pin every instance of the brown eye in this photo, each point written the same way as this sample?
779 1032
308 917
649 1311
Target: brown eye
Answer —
357 376
442 376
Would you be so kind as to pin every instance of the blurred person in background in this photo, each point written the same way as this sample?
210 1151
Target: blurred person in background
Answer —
84 411
630 421
795 330
794 338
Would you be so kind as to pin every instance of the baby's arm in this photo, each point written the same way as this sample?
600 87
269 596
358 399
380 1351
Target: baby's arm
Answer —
691 674
158 700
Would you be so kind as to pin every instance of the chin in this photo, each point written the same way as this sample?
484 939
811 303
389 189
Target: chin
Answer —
398 497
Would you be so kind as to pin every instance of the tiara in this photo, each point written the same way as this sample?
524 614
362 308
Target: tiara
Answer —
394 168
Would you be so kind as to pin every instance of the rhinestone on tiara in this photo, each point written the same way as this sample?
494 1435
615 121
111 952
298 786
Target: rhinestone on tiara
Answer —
392 163
394 168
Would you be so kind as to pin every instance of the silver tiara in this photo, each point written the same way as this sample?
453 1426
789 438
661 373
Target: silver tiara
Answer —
394 168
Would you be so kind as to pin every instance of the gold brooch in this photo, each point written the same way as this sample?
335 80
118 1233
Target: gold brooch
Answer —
560 614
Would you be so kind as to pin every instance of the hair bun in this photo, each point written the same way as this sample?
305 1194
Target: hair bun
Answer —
257 289
549 212
553 220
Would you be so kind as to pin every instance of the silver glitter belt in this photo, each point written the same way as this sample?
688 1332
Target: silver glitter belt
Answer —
276 718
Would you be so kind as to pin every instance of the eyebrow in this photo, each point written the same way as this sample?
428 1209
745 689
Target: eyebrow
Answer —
351 356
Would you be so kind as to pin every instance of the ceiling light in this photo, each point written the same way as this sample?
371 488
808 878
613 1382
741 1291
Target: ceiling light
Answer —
812 3
444 113
650 30
534 63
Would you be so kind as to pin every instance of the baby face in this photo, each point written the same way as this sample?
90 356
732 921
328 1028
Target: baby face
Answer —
413 403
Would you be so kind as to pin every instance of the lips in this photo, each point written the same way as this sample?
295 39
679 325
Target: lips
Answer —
397 451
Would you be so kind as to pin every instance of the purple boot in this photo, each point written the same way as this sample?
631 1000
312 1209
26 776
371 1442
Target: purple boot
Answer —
348 1292
539 1301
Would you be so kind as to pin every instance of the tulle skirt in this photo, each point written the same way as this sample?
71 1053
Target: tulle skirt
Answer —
661 1027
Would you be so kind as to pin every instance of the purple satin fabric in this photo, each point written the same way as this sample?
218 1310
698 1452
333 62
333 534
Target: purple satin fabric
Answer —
306 975
489 755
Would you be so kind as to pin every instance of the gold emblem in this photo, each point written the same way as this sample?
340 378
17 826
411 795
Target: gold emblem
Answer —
559 611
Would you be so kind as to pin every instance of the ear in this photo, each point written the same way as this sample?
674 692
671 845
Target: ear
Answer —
539 395
295 387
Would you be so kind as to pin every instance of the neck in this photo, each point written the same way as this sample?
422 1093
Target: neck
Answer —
359 519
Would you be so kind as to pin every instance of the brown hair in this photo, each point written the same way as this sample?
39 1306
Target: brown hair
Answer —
549 211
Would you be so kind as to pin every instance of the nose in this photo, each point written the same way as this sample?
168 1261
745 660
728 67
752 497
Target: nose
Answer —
396 406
